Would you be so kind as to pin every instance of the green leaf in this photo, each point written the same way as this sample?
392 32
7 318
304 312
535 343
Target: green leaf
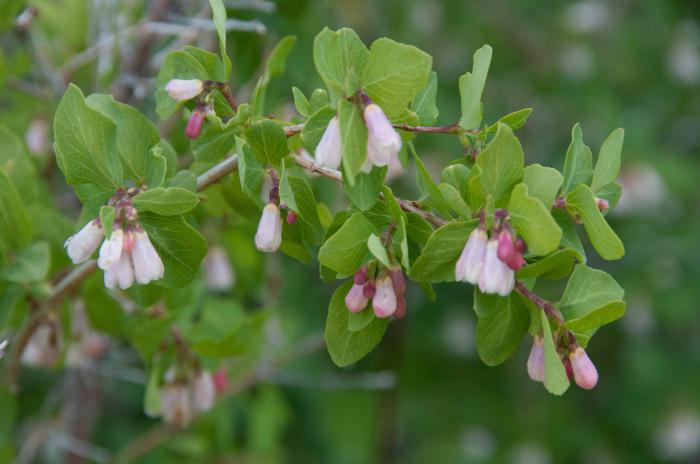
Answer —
169 201
274 66
223 330
471 86
327 274
514 120
555 266
250 171
587 290
612 193
345 251
424 103
177 65
364 192
607 166
218 11
501 164
394 75
107 216
17 166
542 183
555 379
428 186
532 220
502 324
358 321
353 139
301 103
457 175
374 244
345 346
148 335
439 256
315 127
268 141
296 193
597 317
293 242
578 165
15 229
180 247
604 240
339 57
86 142
569 238
454 199
216 141
30 264
136 135
184 179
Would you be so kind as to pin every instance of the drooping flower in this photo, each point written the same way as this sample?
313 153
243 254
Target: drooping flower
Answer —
496 276
147 264
3 346
120 273
508 252
184 89
269 235
175 405
203 391
356 300
111 249
471 261
194 124
398 280
535 362
383 143
84 243
585 373
384 301
218 272
328 149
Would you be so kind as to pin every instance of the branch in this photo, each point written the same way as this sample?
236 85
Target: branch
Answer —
541 303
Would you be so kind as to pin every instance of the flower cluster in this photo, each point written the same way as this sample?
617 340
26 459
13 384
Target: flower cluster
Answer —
383 143
182 398
182 90
126 255
576 361
491 263
387 291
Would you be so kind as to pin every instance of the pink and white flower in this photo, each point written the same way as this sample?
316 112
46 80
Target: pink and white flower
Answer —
471 261
355 300
175 404
384 301
203 391
269 235
111 249
585 373
328 150
184 89
383 143
535 362
147 264
84 243
496 276
120 273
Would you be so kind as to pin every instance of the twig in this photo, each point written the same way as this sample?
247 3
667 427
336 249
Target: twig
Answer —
213 175
451 129
546 306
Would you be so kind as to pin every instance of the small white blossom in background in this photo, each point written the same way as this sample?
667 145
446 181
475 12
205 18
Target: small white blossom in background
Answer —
269 235
3 347
683 58
219 275
86 344
175 404
678 437
36 136
587 16
643 191
203 391
184 89
42 349
328 150
383 143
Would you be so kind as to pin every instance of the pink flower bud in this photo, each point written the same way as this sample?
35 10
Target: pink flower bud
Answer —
291 218
400 307
398 280
355 300
147 263
384 301
361 276
506 247
535 362
471 261
111 249
602 203
184 89
585 373
496 276
84 243
520 246
220 380
383 143
370 289
328 149
269 235
194 125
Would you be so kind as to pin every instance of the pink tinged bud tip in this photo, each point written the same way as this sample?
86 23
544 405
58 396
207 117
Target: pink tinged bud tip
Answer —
120 273
147 264
220 380
602 203
356 300
194 124
84 243
535 362
383 143
328 149
506 247
203 391
269 235
400 307
111 249
370 289
384 301
398 280
291 218
471 261
360 276
585 373
184 89
496 276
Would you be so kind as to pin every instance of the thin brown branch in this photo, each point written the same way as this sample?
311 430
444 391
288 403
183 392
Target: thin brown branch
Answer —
541 303
451 129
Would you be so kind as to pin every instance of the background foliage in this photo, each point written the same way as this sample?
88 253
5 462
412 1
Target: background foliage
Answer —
424 395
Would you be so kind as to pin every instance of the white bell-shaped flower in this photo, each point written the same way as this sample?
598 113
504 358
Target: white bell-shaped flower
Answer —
471 261
383 143
384 300
269 235
111 249
203 391
84 243
184 89
496 276
147 264
121 273
328 150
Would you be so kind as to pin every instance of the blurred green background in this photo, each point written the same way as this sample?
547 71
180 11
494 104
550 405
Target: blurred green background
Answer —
423 396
